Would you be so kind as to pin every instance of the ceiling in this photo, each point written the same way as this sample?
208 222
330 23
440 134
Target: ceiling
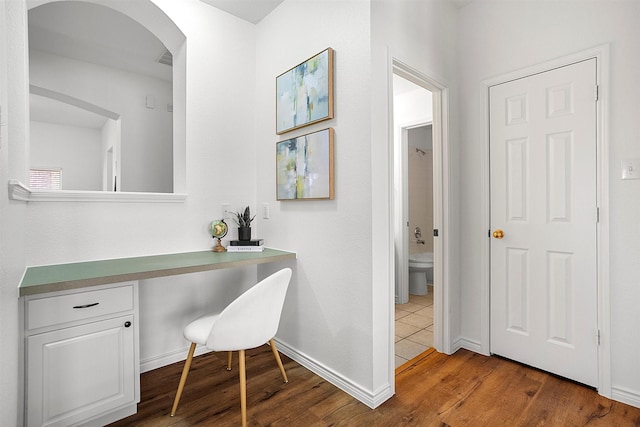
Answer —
254 10
96 34
249 10
48 110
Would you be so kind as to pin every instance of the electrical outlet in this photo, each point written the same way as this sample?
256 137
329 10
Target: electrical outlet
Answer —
265 211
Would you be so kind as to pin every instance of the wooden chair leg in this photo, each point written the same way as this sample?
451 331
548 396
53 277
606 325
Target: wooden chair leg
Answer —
243 389
183 378
229 355
272 343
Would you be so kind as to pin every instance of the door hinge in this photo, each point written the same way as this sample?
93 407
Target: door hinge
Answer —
435 232
596 93
598 336
598 214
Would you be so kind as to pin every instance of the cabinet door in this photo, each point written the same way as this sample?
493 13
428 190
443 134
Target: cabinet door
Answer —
80 372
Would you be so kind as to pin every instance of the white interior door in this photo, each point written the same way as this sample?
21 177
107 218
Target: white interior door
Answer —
543 199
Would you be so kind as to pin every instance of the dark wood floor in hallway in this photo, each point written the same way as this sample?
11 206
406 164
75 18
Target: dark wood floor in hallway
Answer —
464 389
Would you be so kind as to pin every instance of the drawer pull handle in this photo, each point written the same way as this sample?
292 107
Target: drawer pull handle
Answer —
86 305
127 324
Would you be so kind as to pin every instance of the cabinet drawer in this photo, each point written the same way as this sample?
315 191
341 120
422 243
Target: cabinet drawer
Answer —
49 311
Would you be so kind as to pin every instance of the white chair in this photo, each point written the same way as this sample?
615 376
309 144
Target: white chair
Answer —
250 321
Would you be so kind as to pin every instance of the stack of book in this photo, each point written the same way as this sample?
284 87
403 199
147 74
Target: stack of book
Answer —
256 245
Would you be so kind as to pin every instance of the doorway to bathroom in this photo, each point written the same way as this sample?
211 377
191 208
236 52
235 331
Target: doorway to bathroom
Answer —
414 211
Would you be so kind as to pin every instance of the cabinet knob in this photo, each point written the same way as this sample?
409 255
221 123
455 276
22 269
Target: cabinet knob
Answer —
127 324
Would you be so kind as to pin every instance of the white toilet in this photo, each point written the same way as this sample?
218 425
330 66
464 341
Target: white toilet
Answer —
419 265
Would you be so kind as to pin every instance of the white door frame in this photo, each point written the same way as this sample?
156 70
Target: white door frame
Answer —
601 54
441 182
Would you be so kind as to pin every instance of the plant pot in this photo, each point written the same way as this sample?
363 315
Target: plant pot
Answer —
244 233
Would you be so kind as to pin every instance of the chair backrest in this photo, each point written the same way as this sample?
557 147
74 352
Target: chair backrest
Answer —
252 319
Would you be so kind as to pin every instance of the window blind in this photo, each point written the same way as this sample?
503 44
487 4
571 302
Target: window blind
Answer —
45 179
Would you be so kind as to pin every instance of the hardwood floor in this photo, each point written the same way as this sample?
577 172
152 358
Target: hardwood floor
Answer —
465 389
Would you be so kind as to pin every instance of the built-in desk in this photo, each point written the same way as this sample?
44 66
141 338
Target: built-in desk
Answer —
59 277
81 332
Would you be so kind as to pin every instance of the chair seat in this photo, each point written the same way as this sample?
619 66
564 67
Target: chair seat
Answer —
198 330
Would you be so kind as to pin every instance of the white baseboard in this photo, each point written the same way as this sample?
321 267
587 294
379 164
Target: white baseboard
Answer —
151 363
625 395
371 399
467 344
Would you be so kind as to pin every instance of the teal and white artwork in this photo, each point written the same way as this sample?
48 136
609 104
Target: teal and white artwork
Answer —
304 94
304 167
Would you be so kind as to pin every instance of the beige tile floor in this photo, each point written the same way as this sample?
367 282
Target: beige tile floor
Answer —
414 326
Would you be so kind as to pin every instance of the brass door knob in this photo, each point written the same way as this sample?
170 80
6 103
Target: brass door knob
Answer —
498 234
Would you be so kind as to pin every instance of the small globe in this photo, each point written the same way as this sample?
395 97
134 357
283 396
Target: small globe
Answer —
218 229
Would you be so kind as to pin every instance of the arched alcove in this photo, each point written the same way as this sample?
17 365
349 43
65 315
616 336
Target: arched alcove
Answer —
152 18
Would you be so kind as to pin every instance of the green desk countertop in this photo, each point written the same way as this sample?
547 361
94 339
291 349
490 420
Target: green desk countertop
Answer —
50 278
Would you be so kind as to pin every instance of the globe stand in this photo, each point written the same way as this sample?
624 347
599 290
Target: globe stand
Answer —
219 247
218 230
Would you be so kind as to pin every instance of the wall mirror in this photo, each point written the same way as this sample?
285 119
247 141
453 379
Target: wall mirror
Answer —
107 97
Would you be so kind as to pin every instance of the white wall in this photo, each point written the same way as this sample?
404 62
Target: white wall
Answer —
496 37
13 102
339 308
330 316
411 108
220 92
420 34
341 315
147 143
77 151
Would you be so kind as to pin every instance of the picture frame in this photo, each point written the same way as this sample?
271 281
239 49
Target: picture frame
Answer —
304 167
304 93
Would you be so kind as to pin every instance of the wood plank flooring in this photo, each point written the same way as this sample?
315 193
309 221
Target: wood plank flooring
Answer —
464 389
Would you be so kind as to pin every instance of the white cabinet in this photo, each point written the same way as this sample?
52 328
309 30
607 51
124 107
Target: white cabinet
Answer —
82 362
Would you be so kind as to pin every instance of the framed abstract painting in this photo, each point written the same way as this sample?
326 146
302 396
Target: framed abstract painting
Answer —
304 94
304 167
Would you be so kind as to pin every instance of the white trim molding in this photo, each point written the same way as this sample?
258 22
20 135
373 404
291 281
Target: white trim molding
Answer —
372 399
625 395
175 356
441 188
19 191
468 344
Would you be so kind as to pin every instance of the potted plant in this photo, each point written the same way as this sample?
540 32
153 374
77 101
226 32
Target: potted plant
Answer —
243 220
